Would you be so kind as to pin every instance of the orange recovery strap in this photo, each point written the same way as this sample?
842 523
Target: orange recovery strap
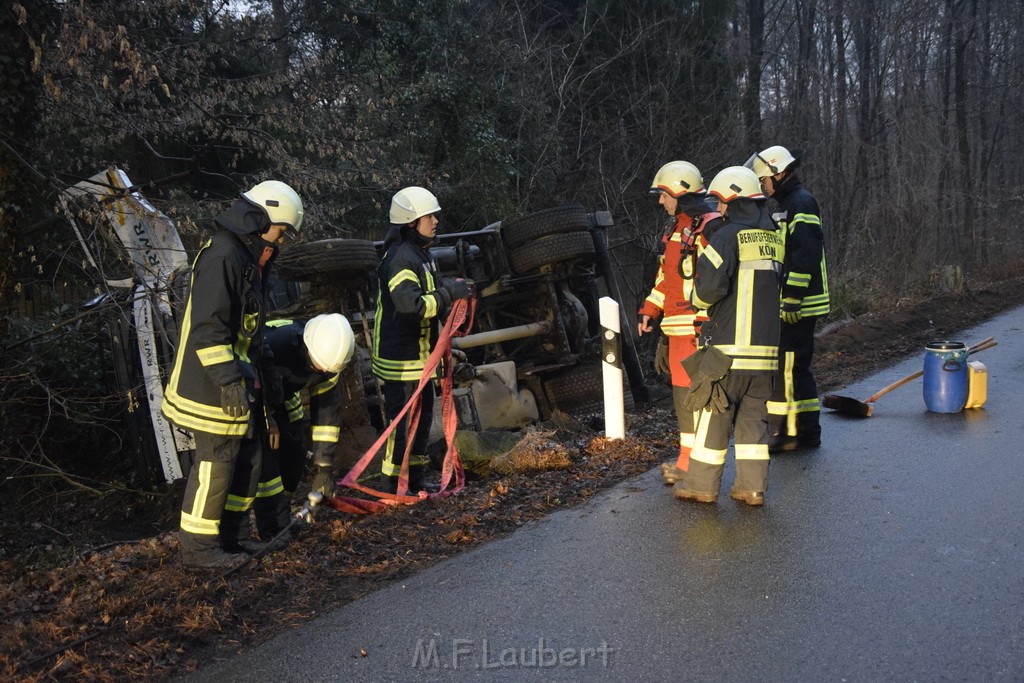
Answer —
458 324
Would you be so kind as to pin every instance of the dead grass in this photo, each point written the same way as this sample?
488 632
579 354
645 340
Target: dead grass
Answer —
536 451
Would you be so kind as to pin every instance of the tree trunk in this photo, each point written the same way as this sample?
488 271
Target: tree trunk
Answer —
752 95
964 23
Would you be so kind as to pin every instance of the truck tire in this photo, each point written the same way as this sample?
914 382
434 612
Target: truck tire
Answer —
555 221
580 390
344 256
552 249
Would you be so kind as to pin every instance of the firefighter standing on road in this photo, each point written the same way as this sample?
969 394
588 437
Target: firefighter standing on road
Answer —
410 304
737 283
307 357
681 192
215 387
794 408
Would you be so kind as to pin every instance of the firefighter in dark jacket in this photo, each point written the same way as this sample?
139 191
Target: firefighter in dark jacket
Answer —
794 408
737 283
410 304
215 388
307 356
680 190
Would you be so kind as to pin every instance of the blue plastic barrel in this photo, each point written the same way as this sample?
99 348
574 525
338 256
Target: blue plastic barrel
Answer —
945 376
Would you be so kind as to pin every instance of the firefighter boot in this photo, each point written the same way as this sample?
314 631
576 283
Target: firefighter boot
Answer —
272 515
700 484
671 474
235 532
782 443
417 481
751 482
203 551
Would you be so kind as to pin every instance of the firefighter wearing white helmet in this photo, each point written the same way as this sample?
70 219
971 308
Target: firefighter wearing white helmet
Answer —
680 190
412 203
737 283
308 356
216 387
411 303
794 408
281 205
771 161
329 341
735 182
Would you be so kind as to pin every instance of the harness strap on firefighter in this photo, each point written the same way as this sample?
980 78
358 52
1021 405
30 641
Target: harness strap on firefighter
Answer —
458 324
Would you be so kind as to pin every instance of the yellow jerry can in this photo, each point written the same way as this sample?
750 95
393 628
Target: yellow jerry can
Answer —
977 384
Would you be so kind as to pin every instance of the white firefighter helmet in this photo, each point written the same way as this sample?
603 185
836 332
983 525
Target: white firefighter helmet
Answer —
282 204
330 341
771 161
678 178
736 182
412 202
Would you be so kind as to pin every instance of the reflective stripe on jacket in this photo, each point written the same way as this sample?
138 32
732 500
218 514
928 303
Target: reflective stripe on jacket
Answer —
284 338
673 284
805 275
408 309
738 284
221 334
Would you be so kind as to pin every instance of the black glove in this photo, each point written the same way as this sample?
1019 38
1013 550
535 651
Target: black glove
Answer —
719 401
661 365
698 396
706 367
463 373
458 288
324 482
234 399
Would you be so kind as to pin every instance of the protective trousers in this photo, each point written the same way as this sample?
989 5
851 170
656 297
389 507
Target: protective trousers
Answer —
794 407
747 415
282 470
685 420
396 395
681 347
220 488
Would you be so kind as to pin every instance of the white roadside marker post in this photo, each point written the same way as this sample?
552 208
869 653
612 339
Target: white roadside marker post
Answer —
611 364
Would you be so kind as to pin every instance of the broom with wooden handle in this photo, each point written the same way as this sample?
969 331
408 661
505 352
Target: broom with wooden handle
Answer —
866 408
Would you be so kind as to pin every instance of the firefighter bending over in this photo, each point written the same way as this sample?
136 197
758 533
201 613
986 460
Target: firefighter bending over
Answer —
307 356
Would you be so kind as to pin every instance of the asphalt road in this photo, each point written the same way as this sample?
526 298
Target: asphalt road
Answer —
893 552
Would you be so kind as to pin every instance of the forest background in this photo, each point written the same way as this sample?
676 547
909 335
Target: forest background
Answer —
910 112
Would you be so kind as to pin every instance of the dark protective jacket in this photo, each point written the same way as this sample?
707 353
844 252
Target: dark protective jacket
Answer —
295 373
409 306
805 276
737 282
222 328
684 240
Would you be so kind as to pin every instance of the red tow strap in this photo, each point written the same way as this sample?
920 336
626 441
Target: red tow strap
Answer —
459 322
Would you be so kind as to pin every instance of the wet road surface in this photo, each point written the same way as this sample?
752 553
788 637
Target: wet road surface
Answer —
892 552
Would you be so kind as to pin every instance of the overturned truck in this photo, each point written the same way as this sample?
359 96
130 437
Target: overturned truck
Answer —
535 345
